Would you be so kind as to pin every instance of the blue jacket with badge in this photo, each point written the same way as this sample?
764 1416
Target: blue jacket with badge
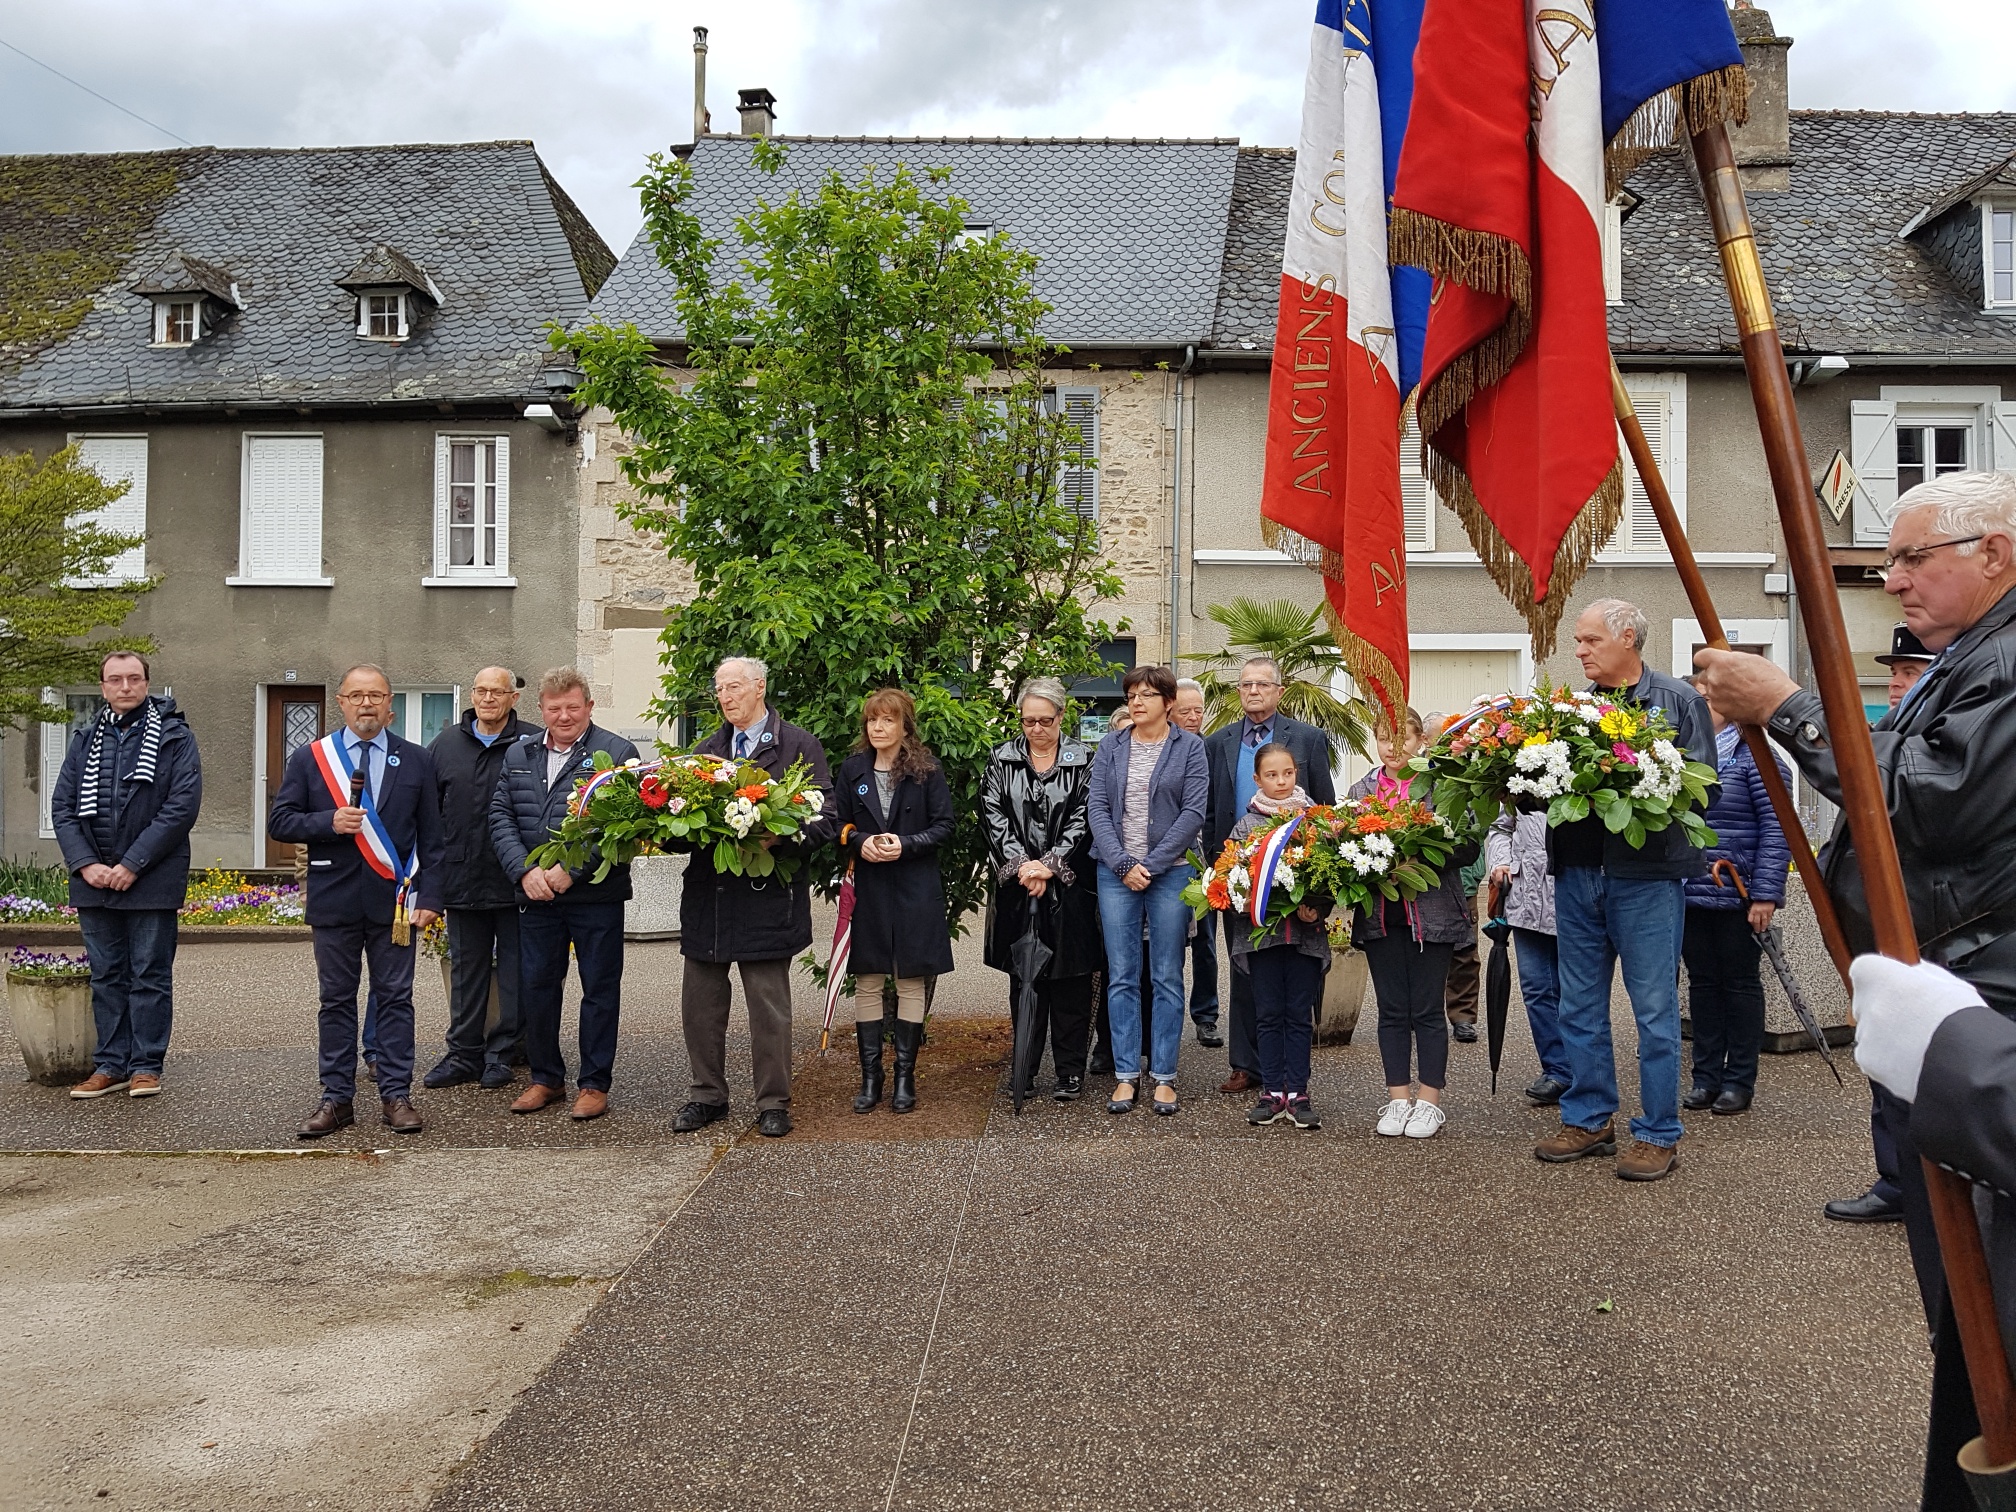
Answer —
342 889
525 811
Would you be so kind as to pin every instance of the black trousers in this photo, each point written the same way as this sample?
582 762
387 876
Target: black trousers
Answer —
1063 1018
475 936
1725 997
1459 997
1409 980
1242 1043
341 951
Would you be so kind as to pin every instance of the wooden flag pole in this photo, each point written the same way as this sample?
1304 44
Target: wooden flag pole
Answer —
1711 629
1862 796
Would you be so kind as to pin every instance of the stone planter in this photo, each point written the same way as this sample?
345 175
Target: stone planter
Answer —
653 910
53 1026
1343 996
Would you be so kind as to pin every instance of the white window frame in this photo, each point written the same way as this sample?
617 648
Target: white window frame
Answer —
55 745
413 696
1873 441
1418 497
364 298
444 574
1773 634
162 308
1989 210
244 577
1637 537
127 514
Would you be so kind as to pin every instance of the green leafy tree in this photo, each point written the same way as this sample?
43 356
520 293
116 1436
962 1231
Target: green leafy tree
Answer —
1300 644
48 548
860 466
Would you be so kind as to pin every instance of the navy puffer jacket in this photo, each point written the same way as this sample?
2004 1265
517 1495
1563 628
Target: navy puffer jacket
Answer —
1746 832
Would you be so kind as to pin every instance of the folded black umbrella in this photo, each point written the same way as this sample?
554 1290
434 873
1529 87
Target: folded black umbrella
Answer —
1497 980
1774 951
1030 957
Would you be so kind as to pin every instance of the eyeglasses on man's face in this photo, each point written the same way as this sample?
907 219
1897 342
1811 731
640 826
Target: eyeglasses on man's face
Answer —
1252 686
364 699
1911 558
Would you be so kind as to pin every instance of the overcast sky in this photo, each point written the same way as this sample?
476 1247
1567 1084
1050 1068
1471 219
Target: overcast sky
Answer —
598 86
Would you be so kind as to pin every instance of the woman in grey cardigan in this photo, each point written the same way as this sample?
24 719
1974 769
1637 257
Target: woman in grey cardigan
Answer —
1516 850
1146 803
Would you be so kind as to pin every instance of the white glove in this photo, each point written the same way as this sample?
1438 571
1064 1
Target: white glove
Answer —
1897 1009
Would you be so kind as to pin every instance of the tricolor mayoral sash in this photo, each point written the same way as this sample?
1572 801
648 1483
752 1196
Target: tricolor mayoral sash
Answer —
374 841
1265 865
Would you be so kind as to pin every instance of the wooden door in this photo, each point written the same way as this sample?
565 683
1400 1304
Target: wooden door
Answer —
293 720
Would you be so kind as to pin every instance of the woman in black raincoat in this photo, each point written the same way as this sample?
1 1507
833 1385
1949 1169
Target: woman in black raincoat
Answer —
1039 841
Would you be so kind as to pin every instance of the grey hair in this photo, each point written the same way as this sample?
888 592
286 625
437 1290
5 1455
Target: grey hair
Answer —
755 668
1262 661
1968 504
1049 689
1189 682
1621 615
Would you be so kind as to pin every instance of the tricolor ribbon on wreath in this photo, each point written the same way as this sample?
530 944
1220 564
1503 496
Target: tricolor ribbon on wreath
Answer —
1265 865
374 841
604 777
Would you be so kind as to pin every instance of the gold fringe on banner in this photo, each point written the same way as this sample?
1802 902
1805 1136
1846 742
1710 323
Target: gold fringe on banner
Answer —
1477 260
1370 667
1661 121
1596 523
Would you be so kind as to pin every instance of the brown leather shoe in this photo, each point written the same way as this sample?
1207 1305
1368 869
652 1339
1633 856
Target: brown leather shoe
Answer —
1239 1081
146 1084
1573 1143
1648 1162
400 1116
97 1084
327 1119
589 1102
537 1096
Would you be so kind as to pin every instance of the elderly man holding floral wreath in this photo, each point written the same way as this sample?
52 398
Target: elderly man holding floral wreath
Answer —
1618 902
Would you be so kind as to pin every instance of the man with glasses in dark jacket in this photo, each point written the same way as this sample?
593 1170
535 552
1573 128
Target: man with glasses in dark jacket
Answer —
124 804
480 900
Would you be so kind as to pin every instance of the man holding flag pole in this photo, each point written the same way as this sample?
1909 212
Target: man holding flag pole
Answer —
363 801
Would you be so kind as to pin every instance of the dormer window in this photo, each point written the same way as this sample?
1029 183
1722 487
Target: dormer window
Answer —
2001 255
382 317
178 322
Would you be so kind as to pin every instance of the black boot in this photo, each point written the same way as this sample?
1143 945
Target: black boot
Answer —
903 1095
868 1038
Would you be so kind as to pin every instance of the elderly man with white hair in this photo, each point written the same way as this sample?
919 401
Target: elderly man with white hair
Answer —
1938 1037
1618 904
756 923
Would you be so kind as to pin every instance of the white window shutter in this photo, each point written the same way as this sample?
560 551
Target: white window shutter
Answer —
503 506
1417 498
283 507
2002 437
1872 452
55 741
1078 486
440 506
120 459
1640 528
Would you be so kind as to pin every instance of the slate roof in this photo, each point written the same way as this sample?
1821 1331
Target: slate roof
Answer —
505 246
1249 292
1131 233
1843 278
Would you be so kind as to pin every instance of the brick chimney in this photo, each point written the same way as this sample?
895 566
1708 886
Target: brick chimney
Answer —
1764 142
759 111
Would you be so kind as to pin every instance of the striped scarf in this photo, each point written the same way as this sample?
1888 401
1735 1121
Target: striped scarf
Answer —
143 771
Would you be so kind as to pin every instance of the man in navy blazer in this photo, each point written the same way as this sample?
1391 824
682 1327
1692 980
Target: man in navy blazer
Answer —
1230 754
395 829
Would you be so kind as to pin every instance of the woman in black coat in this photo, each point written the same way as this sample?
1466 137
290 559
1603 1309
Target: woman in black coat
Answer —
1039 843
895 813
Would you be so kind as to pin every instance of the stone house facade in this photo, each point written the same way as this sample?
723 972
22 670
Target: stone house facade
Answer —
325 375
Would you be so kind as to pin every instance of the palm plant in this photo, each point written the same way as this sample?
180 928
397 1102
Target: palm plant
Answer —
1300 644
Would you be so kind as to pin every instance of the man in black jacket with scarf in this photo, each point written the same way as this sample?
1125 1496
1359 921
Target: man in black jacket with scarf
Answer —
480 900
125 801
759 922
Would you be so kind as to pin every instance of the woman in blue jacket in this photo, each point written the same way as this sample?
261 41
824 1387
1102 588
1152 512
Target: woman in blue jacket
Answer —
1146 802
1725 996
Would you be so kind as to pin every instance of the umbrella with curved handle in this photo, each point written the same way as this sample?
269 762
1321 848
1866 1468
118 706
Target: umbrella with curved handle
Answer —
1774 948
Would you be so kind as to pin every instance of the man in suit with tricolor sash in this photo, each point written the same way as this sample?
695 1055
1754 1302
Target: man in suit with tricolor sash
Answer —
363 801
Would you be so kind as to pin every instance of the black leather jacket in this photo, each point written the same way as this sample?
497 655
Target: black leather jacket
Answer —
1947 758
1042 818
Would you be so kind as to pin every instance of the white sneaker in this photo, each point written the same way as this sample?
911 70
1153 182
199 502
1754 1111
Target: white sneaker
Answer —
1425 1121
1393 1117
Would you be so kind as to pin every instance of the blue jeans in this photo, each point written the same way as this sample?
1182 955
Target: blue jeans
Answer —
1121 912
132 986
596 932
1540 989
1601 920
